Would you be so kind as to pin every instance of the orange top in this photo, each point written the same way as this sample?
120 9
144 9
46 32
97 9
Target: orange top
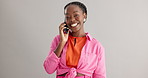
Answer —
75 45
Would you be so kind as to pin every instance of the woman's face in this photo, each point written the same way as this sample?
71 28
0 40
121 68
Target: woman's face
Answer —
74 17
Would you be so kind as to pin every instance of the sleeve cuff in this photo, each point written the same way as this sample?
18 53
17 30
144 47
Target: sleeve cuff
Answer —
53 56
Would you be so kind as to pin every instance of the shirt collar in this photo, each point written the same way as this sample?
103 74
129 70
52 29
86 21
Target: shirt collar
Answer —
88 36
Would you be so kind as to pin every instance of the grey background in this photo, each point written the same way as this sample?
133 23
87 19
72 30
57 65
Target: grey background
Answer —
27 28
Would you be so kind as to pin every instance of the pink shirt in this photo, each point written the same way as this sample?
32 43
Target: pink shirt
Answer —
91 62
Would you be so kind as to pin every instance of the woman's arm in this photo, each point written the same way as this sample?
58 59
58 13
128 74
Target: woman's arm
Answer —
52 61
59 49
100 71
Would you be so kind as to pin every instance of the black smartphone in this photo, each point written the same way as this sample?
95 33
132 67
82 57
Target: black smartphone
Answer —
66 29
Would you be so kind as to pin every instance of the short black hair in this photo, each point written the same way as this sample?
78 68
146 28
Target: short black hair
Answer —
81 5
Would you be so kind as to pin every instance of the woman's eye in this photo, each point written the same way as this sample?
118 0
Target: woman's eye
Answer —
67 17
76 15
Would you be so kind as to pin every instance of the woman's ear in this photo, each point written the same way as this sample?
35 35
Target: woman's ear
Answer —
85 17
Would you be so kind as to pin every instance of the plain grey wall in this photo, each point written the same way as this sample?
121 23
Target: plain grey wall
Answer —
27 28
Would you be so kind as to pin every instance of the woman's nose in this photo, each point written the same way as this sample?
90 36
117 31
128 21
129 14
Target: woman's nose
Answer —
72 19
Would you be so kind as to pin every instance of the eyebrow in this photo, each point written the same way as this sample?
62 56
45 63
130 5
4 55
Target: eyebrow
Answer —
73 12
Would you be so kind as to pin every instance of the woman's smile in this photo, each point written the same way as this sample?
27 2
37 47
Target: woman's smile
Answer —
74 25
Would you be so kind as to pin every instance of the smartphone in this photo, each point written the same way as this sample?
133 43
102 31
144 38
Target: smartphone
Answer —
66 29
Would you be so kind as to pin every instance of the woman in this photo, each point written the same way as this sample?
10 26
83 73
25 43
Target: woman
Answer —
75 54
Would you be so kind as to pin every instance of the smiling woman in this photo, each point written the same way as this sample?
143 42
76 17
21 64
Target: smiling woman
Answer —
74 18
75 54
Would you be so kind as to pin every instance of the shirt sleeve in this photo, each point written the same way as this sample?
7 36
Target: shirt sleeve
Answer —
100 71
51 62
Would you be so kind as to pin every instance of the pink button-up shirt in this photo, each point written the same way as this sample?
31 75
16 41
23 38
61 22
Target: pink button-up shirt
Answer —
91 62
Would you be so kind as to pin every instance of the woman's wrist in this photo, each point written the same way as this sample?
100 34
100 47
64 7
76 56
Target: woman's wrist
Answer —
62 42
59 48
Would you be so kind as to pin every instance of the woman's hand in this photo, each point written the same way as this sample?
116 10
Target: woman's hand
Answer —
63 40
63 36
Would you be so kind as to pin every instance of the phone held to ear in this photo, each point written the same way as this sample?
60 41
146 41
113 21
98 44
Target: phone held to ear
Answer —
66 29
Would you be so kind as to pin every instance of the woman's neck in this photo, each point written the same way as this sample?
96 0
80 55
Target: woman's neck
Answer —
78 34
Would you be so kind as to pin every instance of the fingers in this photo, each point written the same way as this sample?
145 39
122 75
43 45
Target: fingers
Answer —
63 35
61 29
61 26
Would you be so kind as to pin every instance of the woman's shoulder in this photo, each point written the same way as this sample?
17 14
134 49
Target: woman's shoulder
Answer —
96 45
96 42
93 40
56 38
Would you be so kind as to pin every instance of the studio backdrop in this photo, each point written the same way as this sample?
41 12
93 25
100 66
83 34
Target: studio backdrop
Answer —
27 28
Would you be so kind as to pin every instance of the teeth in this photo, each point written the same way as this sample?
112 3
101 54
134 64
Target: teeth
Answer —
73 25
